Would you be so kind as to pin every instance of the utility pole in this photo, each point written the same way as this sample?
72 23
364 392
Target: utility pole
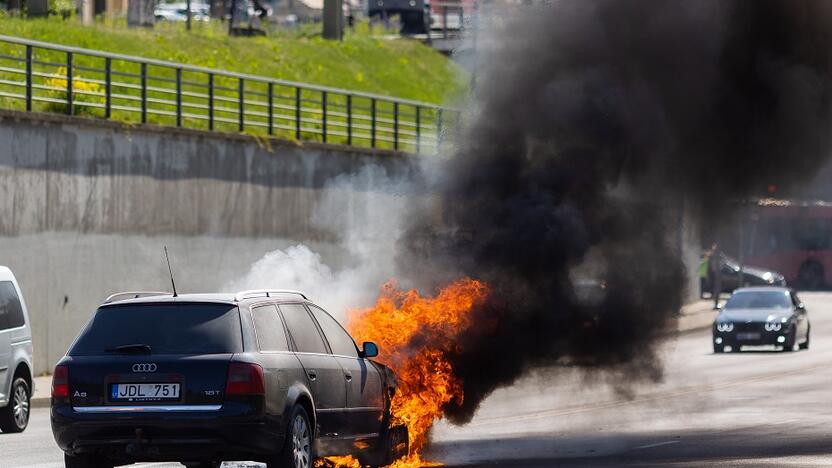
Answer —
188 14
87 7
333 20
232 9
139 13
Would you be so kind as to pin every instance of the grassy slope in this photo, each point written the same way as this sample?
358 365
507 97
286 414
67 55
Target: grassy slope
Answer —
364 62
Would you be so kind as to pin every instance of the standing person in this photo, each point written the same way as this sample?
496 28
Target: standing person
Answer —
703 273
715 271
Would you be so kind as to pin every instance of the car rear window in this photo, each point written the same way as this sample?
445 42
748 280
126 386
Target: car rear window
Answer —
165 328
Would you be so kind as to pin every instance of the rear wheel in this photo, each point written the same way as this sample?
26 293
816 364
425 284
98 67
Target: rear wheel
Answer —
86 461
211 464
298 448
719 349
15 416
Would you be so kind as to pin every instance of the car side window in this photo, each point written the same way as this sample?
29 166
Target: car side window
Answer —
303 329
11 311
339 340
269 328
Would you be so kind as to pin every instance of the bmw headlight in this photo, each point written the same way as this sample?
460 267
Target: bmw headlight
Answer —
724 326
773 326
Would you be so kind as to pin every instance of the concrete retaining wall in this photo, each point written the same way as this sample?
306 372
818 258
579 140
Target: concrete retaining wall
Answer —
86 207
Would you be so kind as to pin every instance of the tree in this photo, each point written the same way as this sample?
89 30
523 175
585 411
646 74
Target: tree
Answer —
140 13
333 20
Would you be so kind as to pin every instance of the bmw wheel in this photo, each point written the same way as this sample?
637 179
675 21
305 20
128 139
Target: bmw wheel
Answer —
298 448
805 344
15 416
788 346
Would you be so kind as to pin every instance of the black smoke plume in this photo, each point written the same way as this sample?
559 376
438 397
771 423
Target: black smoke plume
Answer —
595 124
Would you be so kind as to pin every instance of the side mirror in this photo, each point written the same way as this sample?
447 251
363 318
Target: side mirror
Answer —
801 306
370 349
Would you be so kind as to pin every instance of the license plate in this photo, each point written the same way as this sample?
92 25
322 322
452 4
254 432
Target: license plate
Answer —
144 391
748 336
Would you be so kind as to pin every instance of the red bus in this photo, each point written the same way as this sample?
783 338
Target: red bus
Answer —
793 238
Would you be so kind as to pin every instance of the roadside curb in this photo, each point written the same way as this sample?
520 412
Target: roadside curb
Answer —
695 317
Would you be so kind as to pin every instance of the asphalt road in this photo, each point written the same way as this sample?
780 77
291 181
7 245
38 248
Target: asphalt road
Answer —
760 409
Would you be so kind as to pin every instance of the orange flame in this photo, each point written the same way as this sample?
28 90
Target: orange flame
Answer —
414 335
339 462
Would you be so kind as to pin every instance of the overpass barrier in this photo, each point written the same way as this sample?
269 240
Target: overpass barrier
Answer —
40 76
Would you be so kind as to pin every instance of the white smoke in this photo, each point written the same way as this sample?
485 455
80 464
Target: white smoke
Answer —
364 212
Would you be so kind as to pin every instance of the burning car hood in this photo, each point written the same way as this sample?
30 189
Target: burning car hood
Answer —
753 315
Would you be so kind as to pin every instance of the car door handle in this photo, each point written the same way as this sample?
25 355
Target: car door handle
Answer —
312 375
348 377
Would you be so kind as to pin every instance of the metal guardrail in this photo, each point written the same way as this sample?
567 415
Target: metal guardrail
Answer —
40 76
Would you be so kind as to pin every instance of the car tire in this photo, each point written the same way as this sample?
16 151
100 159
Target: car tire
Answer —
15 416
86 461
788 346
299 444
203 464
805 344
719 349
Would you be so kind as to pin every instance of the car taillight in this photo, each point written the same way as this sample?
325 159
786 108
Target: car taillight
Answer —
245 378
60 382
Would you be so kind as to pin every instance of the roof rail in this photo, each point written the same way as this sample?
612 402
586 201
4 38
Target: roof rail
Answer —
266 293
134 295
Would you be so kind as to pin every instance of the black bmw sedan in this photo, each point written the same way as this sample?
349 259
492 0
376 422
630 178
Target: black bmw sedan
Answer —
762 316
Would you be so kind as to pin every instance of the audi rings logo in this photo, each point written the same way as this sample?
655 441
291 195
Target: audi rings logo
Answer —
145 367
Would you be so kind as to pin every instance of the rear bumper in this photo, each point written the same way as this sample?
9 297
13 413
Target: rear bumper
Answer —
168 435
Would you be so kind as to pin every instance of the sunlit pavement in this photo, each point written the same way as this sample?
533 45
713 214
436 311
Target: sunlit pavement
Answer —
760 409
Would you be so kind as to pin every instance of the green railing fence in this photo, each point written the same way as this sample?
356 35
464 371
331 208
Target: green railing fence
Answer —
45 77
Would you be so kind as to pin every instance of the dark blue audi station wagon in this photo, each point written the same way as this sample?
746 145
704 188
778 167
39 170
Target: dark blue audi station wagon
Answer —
262 375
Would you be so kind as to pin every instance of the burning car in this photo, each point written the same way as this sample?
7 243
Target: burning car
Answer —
262 375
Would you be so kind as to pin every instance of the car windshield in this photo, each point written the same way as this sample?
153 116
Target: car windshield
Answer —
759 300
162 329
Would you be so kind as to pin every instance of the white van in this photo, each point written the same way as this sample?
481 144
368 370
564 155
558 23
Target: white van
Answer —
16 383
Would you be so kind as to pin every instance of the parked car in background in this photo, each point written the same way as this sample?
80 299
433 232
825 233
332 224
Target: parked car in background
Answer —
202 378
751 276
179 11
762 316
16 383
